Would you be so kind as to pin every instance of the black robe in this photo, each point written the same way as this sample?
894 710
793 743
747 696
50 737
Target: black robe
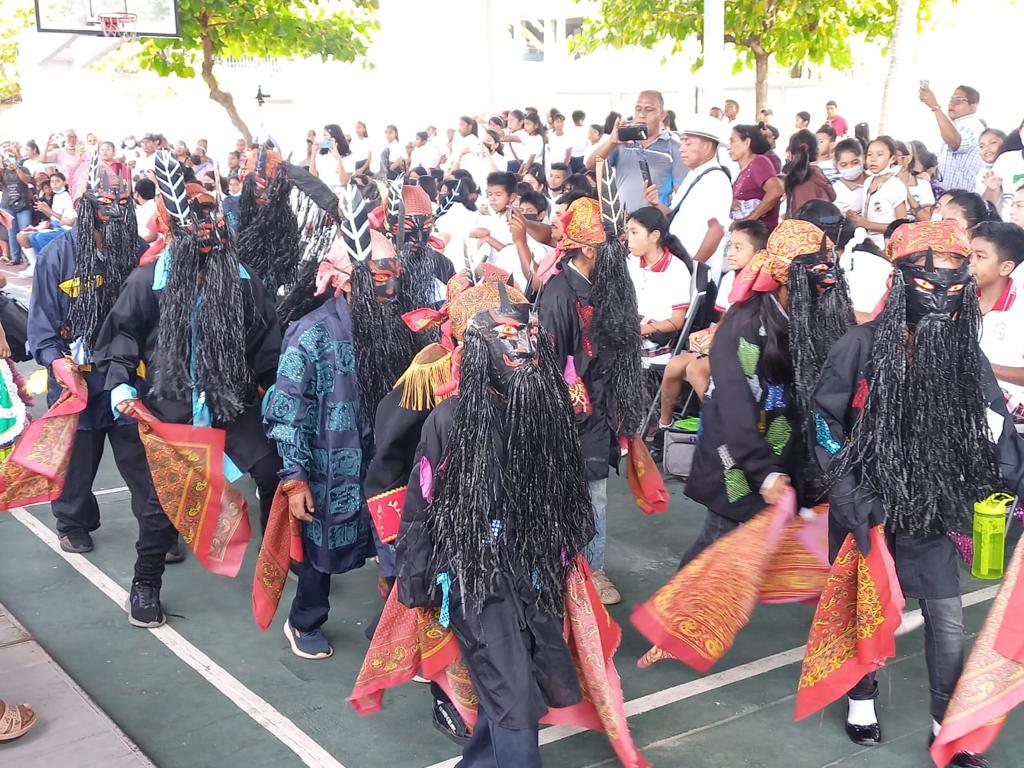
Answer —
517 658
749 426
129 336
561 307
927 564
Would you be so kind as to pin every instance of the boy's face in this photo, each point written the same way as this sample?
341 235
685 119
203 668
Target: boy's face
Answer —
556 179
234 186
985 264
740 251
824 143
529 211
498 198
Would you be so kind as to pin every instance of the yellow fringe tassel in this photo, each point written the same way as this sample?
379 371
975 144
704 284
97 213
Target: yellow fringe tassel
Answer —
430 369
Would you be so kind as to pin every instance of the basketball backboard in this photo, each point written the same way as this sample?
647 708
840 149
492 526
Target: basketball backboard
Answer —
153 18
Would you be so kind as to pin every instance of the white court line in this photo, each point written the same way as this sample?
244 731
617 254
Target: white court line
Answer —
105 492
693 688
289 734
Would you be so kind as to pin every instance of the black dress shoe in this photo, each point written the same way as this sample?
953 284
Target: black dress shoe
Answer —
963 759
447 720
865 735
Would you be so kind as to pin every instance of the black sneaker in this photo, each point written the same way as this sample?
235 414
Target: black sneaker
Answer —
448 721
143 607
77 542
176 554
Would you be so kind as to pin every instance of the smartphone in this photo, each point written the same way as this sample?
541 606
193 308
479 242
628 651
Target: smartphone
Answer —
645 171
326 143
924 84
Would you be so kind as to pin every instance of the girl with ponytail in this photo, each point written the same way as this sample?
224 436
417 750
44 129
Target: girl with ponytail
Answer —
660 269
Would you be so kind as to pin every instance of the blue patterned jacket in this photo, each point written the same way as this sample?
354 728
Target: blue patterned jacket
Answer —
314 416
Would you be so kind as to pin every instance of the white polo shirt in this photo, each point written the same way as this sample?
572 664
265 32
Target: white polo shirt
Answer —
710 198
661 289
1002 339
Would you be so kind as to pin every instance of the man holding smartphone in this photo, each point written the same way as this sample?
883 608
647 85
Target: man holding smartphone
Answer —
642 148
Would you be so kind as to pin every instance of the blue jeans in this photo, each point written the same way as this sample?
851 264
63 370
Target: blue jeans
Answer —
599 502
22 219
943 653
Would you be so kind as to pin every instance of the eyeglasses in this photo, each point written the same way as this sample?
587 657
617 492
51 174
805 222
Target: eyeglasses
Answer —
957 100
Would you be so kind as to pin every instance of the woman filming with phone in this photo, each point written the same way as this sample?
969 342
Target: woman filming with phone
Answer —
331 170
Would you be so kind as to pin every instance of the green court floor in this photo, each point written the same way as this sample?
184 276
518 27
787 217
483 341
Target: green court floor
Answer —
212 691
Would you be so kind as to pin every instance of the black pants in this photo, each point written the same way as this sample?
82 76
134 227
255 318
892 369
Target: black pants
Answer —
492 746
715 527
312 599
77 510
264 474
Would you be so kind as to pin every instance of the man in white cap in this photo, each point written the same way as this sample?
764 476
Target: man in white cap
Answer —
699 213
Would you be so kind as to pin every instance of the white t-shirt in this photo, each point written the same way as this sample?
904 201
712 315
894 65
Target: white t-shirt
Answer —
457 223
360 150
526 146
1002 339
880 207
921 193
557 147
327 169
426 156
722 302
579 139
460 143
848 199
143 215
711 198
1009 166
63 206
395 151
661 289
145 163
867 276
508 257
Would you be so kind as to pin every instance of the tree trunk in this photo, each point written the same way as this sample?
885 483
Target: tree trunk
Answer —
902 38
760 79
220 96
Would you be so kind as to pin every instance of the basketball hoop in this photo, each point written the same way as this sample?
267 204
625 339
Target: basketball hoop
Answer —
119 24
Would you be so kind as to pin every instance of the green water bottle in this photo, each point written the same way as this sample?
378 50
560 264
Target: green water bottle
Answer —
990 536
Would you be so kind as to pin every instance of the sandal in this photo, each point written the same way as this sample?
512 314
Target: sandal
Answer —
16 720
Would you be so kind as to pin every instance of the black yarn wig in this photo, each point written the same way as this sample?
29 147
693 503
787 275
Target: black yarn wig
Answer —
269 240
417 284
209 287
119 256
300 299
383 342
616 329
525 447
921 442
816 322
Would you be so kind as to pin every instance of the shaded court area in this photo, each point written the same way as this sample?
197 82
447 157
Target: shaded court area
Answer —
210 690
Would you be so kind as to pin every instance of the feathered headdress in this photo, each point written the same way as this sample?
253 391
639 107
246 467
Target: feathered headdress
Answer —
446 203
613 216
395 211
170 182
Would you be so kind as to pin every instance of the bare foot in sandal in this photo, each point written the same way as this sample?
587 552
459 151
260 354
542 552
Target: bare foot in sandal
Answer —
15 720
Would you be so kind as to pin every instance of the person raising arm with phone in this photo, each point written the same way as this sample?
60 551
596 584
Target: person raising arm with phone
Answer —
642 139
